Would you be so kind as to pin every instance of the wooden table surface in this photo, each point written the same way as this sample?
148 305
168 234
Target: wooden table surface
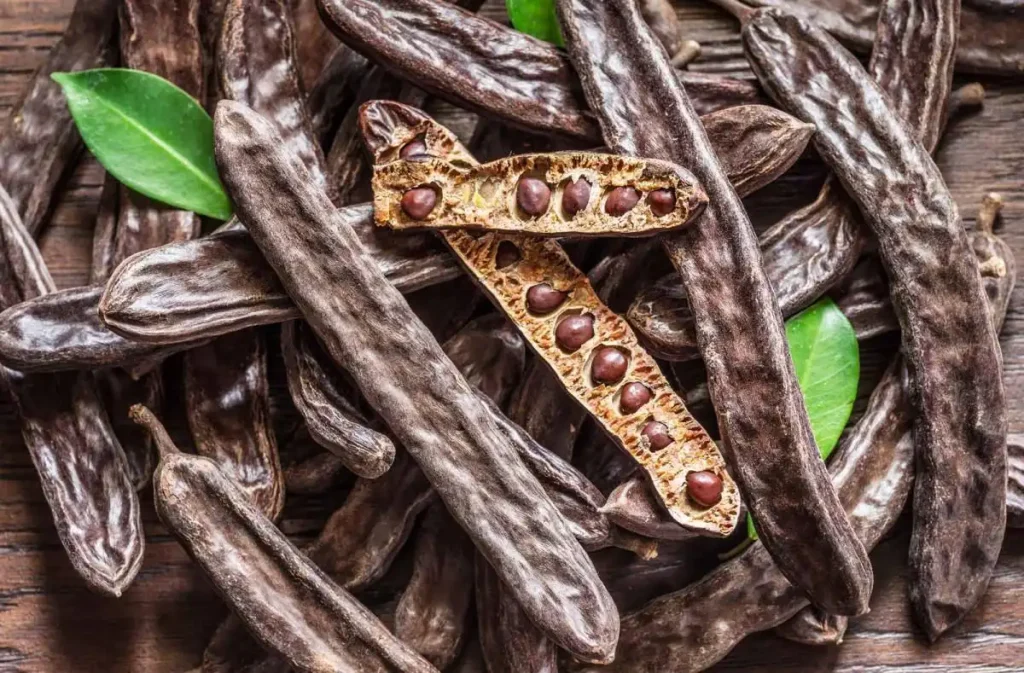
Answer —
50 622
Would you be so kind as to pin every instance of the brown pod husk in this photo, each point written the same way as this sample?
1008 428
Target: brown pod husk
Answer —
334 91
812 626
332 421
368 328
631 506
39 140
82 467
105 231
632 87
388 127
295 609
487 67
432 615
230 423
483 198
314 475
960 490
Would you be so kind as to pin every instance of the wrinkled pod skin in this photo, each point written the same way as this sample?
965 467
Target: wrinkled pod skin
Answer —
631 85
960 432
368 329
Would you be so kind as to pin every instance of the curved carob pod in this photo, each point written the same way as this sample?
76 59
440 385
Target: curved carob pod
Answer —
82 467
368 328
294 609
487 67
575 194
593 350
432 615
960 433
815 247
330 418
767 436
873 472
988 43
39 140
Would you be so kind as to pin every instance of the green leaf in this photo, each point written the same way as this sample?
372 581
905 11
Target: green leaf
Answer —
536 18
827 362
150 135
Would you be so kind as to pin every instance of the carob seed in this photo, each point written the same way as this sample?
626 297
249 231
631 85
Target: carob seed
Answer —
533 196
609 365
634 396
543 299
575 197
419 202
573 331
621 200
657 434
704 488
662 201
507 255
413 148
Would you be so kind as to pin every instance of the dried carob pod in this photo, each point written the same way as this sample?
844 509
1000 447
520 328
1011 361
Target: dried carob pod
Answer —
631 506
368 328
39 141
873 471
632 88
487 67
82 467
294 609
330 418
561 194
960 432
432 616
813 626
591 348
660 15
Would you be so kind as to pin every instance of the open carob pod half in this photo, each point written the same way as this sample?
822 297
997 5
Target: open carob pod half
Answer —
578 194
592 350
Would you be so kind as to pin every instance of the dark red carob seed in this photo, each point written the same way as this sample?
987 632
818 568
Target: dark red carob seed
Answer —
543 299
533 196
662 201
621 200
419 202
573 331
609 365
657 434
413 148
575 197
704 488
634 396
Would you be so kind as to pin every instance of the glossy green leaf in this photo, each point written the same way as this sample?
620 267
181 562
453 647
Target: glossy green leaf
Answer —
536 18
150 135
826 358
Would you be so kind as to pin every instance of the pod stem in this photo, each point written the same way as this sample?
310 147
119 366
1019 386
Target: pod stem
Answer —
141 415
689 51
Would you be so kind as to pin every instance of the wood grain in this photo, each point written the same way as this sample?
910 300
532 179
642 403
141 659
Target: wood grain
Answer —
50 622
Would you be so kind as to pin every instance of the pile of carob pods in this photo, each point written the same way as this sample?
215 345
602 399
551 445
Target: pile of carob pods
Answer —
554 487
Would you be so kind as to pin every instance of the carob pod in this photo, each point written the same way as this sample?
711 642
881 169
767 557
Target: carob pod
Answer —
432 615
767 437
814 247
157 296
228 405
104 232
660 15
997 5
82 467
161 38
316 48
294 609
960 433
368 328
873 471
334 91
813 626
314 475
575 194
39 140
592 349
487 67
988 41
330 418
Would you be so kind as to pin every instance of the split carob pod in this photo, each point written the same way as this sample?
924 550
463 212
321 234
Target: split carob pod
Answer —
487 67
873 472
433 613
330 418
813 248
631 86
161 38
960 432
593 350
988 40
294 609
82 468
368 328
575 194
157 296
39 141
